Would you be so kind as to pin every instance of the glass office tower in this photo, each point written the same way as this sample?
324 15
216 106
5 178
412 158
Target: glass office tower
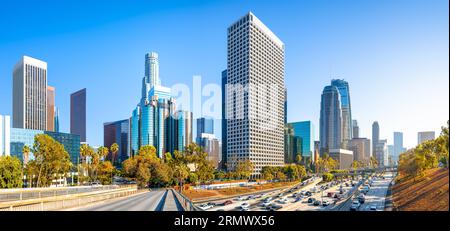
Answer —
330 120
117 132
305 130
78 114
347 128
204 125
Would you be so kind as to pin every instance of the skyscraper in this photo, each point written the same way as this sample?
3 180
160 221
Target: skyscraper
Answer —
381 153
5 133
56 119
152 69
305 130
425 136
255 95
30 94
224 121
375 137
398 146
355 129
204 125
78 114
330 120
211 146
361 149
344 92
292 145
50 108
117 132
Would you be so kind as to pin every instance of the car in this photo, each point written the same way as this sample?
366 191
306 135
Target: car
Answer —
205 206
240 198
268 199
316 203
361 199
297 199
330 194
355 205
283 201
245 209
311 200
211 204
373 208
228 202
276 207
266 204
325 203
220 210
245 205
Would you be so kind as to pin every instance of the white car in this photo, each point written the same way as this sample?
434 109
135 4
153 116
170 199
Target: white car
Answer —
245 206
205 206
240 198
355 205
325 203
265 204
283 201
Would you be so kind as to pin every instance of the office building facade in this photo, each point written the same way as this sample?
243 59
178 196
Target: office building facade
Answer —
330 120
398 146
5 135
346 108
78 114
355 129
381 153
21 137
343 157
292 145
204 125
361 149
375 137
224 121
305 131
30 94
50 108
255 95
117 132
210 145
425 136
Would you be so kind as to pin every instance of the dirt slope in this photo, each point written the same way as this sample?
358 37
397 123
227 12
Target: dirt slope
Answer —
427 193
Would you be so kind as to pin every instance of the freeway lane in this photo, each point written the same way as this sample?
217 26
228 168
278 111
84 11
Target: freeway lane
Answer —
377 193
149 201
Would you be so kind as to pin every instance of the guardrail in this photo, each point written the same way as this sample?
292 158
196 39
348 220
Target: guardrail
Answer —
47 204
185 202
7 195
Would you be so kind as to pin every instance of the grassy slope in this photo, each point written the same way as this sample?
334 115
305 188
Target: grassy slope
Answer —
427 193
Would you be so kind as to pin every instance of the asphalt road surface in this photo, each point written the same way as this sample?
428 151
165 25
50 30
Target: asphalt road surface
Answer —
149 201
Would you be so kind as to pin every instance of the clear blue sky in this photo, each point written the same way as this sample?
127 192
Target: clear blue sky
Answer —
394 54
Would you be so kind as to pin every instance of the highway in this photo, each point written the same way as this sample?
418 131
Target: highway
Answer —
376 196
148 201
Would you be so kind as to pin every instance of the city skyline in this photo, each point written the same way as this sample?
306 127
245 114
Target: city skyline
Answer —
115 76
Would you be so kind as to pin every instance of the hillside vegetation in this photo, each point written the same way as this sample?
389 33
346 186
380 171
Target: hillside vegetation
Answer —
429 192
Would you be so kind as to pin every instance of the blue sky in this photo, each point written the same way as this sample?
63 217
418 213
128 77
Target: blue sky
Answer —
393 53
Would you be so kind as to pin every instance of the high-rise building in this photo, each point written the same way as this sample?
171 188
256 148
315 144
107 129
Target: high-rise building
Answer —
5 133
224 121
398 146
30 94
204 125
117 132
50 108
425 136
390 150
375 137
355 129
292 145
56 119
305 130
210 145
155 120
361 149
381 153
330 120
285 105
78 114
255 95
346 108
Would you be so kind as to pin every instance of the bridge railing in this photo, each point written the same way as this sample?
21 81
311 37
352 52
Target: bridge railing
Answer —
185 202
64 202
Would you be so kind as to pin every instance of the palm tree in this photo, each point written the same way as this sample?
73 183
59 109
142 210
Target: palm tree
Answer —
26 152
114 149
85 152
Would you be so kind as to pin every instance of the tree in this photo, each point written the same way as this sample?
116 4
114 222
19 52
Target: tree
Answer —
139 167
181 173
10 172
298 158
114 150
267 173
105 170
51 159
281 176
327 177
373 162
26 154
244 169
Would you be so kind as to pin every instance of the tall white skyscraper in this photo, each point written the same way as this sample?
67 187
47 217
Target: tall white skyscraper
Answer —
5 133
398 146
255 95
30 94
